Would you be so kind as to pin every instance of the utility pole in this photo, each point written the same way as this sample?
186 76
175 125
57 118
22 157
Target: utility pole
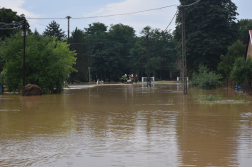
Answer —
24 34
148 62
89 74
68 18
184 78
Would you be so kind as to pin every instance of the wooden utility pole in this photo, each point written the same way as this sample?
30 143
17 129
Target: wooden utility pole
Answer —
68 18
184 76
24 34
148 62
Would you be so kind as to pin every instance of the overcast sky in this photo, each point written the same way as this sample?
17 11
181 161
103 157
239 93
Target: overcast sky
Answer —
79 8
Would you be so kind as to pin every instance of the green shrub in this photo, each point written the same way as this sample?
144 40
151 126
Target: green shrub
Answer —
205 79
226 65
48 62
240 98
242 70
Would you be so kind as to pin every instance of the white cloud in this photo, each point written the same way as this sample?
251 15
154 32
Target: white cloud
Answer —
129 6
156 18
16 5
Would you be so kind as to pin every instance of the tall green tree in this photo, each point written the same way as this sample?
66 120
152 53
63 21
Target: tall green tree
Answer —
10 19
53 29
48 62
235 51
96 36
242 70
164 56
110 50
122 39
36 32
210 28
244 26
78 43
138 59
161 48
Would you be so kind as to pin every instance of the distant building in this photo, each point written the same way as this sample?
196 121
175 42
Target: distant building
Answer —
248 42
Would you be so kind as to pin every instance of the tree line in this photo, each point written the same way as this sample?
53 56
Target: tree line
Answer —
115 50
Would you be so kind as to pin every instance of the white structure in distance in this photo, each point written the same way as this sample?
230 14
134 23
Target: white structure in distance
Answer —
145 79
180 78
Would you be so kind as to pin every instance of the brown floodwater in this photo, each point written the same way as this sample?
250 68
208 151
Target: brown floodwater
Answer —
125 125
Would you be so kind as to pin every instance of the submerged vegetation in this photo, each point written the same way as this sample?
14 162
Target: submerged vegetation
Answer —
211 99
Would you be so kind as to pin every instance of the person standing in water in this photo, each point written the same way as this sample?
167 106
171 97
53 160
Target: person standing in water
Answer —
136 79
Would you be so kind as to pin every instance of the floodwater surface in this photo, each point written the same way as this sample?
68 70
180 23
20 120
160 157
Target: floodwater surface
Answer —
125 126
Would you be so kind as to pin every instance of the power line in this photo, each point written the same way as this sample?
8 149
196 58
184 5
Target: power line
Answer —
189 4
46 18
171 20
7 28
111 15
130 42
36 23
125 13
15 23
152 53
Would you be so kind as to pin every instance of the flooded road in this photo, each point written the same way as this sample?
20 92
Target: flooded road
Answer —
125 125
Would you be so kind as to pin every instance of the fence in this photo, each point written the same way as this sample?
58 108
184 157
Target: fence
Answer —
231 83
246 86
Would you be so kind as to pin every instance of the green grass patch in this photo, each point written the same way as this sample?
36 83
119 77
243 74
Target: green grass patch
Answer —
212 98
240 98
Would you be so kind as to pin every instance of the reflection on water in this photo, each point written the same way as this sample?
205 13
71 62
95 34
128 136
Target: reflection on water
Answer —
124 125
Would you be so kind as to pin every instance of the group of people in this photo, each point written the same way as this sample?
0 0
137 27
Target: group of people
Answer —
129 78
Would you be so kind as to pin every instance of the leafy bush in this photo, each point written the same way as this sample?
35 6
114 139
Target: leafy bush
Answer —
205 79
227 61
48 62
242 70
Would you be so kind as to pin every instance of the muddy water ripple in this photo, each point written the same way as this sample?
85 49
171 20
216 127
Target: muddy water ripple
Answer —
125 125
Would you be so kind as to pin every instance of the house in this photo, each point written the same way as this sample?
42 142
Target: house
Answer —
248 42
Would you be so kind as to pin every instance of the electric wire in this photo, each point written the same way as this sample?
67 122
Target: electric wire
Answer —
125 13
152 53
120 14
1 23
171 20
189 4
37 23
8 28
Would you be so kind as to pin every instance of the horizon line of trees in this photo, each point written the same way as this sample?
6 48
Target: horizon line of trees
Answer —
112 51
